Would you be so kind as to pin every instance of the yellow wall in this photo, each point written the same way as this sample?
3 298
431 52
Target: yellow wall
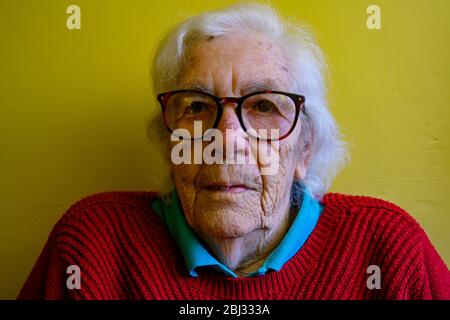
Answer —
74 108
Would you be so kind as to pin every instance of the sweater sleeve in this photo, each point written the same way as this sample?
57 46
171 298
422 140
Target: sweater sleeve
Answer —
436 276
47 278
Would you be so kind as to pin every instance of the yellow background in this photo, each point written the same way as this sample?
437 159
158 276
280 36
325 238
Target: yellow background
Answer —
75 106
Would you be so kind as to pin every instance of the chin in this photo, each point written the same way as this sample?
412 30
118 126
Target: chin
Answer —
219 224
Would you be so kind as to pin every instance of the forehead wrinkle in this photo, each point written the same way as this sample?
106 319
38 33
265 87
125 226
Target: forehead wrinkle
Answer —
233 80
248 87
261 85
194 85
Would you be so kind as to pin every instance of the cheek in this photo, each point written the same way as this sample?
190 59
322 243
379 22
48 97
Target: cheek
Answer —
184 177
277 187
183 174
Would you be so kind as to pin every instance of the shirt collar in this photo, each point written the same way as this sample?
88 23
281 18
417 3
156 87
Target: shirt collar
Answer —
196 255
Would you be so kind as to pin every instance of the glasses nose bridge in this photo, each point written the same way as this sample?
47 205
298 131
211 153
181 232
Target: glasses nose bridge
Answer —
224 100
221 103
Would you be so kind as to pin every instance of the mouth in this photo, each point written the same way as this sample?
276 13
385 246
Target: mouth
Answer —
226 187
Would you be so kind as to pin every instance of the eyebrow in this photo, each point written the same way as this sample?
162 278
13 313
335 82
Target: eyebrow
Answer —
260 85
246 88
198 86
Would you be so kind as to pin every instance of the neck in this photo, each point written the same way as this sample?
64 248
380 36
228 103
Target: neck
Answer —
248 253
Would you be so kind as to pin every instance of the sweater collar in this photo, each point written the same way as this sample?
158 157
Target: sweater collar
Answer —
196 255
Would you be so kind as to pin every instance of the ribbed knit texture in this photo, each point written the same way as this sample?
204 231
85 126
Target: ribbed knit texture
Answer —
125 252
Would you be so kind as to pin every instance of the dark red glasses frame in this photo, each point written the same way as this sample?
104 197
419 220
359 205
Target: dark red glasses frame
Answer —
298 100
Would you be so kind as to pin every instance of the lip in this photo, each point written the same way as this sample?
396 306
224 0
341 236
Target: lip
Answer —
227 187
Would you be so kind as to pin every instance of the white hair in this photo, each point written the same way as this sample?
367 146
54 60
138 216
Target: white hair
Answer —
306 64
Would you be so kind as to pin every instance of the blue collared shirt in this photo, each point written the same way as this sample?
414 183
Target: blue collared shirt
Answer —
196 255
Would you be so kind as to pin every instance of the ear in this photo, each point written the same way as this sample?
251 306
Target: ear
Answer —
303 163
300 172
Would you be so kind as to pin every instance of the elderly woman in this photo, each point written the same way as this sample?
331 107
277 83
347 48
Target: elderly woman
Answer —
260 228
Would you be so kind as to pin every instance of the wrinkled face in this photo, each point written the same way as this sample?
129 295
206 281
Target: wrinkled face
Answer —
233 200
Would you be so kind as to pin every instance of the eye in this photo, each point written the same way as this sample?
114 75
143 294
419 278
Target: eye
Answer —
196 107
264 106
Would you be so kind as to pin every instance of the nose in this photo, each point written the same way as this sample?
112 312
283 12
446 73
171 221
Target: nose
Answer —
228 119
234 138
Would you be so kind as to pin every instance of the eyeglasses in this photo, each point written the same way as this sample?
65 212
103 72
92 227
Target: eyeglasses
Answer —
259 113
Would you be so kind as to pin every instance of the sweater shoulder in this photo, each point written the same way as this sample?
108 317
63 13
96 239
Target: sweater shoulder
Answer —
107 207
110 220
385 235
376 220
361 206
124 198
108 234
348 201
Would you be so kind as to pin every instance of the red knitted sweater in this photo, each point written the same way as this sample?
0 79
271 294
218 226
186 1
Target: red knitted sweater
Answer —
124 251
